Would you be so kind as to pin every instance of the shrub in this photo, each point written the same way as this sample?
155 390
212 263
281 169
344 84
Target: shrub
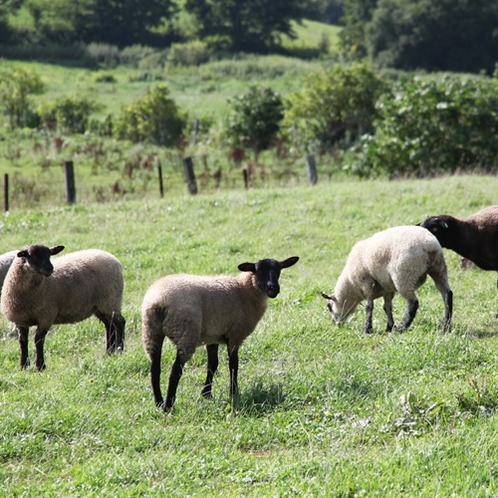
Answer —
192 53
335 104
255 117
153 118
434 126
16 87
68 114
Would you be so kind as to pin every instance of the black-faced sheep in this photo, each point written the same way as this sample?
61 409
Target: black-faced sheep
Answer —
395 260
200 310
475 237
73 288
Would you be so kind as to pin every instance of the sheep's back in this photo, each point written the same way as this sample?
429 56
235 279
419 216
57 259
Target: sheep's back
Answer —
392 252
213 306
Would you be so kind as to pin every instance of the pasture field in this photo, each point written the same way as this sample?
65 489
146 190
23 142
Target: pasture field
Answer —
323 411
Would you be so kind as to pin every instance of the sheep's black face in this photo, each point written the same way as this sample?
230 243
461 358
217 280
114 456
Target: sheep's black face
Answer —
267 272
439 226
37 258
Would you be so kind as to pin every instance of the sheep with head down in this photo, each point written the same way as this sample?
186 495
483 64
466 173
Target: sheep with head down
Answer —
395 260
475 237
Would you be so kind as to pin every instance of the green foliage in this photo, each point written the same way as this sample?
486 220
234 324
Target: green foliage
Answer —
153 118
255 118
16 87
435 126
192 53
444 36
246 25
357 14
68 114
335 104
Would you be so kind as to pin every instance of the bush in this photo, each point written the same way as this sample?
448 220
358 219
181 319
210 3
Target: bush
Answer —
68 114
16 87
335 104
192 53
255 118
433 126
154 118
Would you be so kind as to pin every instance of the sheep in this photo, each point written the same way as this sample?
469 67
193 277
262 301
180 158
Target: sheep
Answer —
395 260
196 310
474 238
73 288
5 262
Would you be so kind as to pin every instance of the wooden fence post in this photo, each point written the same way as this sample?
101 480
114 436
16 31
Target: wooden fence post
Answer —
70 186
311 169
246 178
161 186
188 167
6 192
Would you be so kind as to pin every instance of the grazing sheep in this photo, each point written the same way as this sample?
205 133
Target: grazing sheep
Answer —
193 310
475 237
73 288
395 260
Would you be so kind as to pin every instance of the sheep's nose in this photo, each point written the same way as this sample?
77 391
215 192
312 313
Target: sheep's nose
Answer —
272 289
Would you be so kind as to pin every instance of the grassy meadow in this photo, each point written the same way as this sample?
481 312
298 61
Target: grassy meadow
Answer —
323 411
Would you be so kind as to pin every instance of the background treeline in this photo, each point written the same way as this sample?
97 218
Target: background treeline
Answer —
442 35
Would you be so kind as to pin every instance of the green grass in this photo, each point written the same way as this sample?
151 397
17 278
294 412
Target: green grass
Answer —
323 411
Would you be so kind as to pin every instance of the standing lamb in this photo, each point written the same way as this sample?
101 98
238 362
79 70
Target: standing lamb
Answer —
475 237
73 288
194 310
395 260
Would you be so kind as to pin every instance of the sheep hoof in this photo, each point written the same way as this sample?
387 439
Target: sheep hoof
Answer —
368 330
41 367
25 364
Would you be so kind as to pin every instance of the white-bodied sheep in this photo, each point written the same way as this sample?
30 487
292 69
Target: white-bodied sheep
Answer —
395 260
73 288
193 310
5 262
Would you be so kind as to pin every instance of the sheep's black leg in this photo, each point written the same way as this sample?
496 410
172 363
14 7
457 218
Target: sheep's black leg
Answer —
233 364
411 311
212 365
23 342
118 324
39 342
448 309
388 309
174 378
155 372
368 327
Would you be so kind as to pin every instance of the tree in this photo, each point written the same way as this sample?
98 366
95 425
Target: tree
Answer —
246 25
255 118
153 118
117 22
16 87
6 7
334 104
446 35
357 14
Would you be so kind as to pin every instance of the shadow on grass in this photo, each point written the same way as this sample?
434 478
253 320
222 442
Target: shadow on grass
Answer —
259 399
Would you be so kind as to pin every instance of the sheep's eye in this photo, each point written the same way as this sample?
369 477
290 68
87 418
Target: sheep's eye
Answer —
434 229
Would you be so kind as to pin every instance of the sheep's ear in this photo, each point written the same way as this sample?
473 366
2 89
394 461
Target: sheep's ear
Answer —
56 250
330 297
23 254
289 262
247 267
